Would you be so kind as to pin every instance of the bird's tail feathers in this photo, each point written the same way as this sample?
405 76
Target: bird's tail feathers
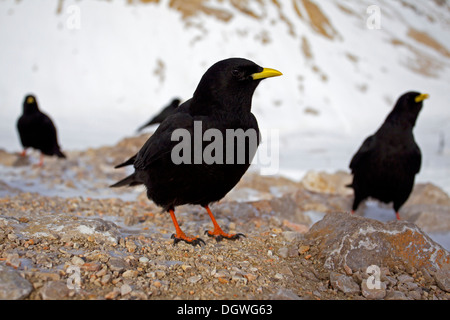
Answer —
60 154
126 163
129 181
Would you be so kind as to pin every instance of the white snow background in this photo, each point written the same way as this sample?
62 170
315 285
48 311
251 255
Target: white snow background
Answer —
100 69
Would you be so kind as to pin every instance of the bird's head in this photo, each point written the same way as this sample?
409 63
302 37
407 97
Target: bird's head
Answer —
30 104
232 82
409 105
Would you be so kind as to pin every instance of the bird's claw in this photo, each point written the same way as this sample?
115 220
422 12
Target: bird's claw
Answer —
192 241
219 237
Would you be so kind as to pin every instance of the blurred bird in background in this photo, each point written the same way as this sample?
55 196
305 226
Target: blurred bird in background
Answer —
167 111
37 131
385 165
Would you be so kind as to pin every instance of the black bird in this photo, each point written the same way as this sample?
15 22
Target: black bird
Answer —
167 111
385 165
36 130
221 101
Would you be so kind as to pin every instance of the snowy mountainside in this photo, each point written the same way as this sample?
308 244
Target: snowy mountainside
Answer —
102 68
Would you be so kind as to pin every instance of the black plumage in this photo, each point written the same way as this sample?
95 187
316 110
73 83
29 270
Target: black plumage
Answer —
36 130
385 165
167 111
221 101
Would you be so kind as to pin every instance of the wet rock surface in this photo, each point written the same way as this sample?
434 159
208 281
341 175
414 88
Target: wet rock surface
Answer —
65 235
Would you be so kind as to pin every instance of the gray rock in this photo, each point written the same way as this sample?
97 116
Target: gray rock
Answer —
284 294
343 283
344 239
54 290
117 264
443 279
396 295
404 278
12 285
373 290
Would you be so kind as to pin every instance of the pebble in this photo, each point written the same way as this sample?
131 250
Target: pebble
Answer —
396 295
442 278
195 279
117 264
54 290
343 283
125 289
130 274
373 291
404 278
12 285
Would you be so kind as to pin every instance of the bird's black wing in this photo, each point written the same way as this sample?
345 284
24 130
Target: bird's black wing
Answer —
363 152
160 143
416 160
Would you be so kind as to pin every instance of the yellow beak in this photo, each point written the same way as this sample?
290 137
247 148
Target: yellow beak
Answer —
266 73
30 100
421 97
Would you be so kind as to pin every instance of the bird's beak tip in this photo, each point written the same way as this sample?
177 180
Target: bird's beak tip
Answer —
266 73
422 97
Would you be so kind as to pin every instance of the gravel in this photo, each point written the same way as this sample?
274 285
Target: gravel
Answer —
65 235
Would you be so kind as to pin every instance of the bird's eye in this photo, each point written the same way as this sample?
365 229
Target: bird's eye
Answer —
236 72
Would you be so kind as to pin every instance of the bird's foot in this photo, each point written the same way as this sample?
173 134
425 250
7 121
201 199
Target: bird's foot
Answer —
219 235
397 215
190 240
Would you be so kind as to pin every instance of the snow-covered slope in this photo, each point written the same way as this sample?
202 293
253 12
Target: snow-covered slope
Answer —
102 68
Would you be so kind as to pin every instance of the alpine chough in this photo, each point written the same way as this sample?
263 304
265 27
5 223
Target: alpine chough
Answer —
36 130
385 165
167 111
221 103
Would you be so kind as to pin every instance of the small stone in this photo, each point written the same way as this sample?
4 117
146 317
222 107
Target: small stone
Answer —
404 278
77 261
283 252
105 279
186 267
194 279
12 236
125 289
396 295
284 294
143 260
415 295
130 274
250 276
292 236
373 291
343 283
442 278
12 285
113 294
117 264
54 290
278 276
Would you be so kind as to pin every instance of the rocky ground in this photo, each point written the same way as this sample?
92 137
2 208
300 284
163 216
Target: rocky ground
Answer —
65 235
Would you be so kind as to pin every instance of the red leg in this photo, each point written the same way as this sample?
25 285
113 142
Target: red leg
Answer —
23 153
41 160
397 215
218 232
180 235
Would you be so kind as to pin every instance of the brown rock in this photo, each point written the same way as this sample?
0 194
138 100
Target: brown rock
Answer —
359 242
